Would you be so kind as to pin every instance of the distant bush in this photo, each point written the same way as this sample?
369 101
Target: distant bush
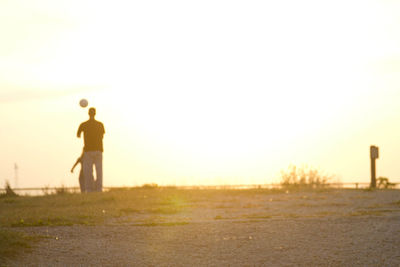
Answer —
9 191
383 182
46 190
62 190
304 177
150 186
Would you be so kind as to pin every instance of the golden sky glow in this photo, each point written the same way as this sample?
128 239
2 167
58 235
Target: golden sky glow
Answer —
209 92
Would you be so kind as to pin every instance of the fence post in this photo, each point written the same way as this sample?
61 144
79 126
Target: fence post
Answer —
374 154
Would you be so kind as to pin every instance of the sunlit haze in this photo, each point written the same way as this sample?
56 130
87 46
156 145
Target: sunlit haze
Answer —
200 92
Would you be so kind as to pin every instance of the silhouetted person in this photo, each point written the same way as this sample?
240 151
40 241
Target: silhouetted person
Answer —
81 179
93 132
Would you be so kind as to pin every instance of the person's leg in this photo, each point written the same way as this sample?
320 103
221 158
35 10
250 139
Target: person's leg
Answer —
98 162
88 171
81 181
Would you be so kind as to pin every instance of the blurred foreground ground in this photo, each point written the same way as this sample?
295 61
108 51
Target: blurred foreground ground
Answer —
335 227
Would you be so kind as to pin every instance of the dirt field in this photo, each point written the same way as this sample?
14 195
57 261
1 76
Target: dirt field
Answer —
332 228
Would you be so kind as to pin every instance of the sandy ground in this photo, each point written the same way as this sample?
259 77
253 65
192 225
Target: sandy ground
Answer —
335 228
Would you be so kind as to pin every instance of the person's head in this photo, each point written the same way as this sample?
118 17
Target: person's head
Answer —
92 113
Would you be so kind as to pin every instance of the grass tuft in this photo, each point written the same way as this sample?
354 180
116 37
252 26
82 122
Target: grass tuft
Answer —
162 224
12 243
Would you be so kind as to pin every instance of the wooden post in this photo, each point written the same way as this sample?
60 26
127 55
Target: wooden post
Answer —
373 173
374 154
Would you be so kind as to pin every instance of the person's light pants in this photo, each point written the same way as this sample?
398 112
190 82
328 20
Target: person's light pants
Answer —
91 158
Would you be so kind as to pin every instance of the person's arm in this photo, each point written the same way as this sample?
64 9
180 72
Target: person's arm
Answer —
78 134
101 130
76 163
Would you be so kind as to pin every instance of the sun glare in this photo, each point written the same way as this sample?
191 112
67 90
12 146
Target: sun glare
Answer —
214 91
200 104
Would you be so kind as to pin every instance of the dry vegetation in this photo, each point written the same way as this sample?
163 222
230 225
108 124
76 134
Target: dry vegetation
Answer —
12 243
172 208
153 204
304 177
94 208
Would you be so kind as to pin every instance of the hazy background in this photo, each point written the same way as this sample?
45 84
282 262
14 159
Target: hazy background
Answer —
200 92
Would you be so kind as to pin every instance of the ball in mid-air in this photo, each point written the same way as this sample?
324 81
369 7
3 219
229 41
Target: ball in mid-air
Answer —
83 103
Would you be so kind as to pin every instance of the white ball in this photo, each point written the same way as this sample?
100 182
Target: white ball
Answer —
83 103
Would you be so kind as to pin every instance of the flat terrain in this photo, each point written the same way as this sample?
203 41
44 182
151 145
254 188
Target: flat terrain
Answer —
172 227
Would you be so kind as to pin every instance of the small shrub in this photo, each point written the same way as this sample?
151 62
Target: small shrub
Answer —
383 182
304 177
46 190
9 191
150 186
62 190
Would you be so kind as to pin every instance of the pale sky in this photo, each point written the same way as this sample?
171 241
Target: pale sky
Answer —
200 92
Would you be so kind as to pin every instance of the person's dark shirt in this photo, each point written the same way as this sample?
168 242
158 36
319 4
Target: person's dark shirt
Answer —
93 132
